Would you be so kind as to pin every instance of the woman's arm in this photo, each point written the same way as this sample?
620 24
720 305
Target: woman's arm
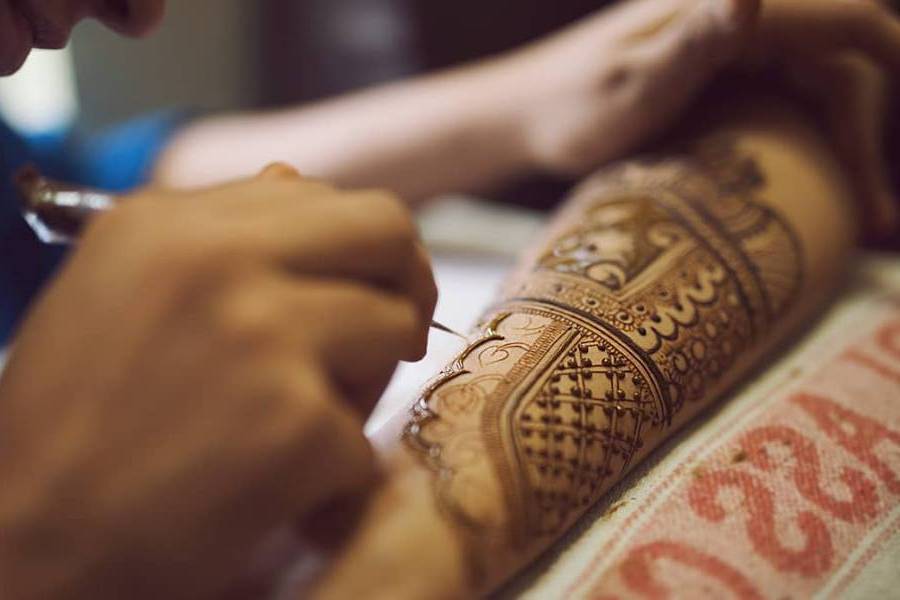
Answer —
564 105
660 285
623 71
448 131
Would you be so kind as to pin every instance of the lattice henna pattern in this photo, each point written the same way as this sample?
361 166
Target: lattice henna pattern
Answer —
583 426
654 279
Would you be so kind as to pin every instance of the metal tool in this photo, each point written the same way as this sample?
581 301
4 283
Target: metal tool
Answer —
57 212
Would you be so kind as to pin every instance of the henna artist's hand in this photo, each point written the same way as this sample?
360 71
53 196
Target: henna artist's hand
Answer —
840 55
806 31
600 88
197 375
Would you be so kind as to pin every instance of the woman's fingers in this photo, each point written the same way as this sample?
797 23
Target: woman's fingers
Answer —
811 27
690 51
640 20
840 53
671 66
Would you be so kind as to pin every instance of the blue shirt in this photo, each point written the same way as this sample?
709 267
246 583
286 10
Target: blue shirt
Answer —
117 160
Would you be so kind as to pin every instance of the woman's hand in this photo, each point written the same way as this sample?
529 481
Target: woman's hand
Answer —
595 91
841 56
197 375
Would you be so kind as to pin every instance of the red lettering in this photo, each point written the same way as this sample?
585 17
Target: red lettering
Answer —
863 503
889 339
866 434
638 574
870 362
813 559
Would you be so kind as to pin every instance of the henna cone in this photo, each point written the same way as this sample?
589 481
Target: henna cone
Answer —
658 287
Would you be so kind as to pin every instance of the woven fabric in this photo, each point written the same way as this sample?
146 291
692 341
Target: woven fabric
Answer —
790 490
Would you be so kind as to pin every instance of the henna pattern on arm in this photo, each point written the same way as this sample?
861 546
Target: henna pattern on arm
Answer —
656 277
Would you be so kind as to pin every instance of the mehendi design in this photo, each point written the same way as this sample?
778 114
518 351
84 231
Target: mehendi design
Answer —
655 277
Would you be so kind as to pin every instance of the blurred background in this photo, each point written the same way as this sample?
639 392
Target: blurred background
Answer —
216 55
230 54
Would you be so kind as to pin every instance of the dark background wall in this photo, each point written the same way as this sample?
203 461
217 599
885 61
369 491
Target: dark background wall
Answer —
205 55
224 54
215 55
316 48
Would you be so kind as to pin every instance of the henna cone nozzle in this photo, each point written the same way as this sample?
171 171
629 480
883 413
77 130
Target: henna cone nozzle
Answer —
57 212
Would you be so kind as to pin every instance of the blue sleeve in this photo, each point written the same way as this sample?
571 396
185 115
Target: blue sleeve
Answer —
123 157
118 159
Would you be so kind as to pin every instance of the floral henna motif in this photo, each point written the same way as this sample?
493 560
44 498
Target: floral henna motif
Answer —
654 279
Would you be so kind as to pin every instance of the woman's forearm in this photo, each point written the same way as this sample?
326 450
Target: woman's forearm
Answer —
453 131
563 105
658 287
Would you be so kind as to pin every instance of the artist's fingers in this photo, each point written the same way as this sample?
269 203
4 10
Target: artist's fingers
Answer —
371 234
336 432
360 333
328 527
853 94
279 170
320 452
311 229
814 27
424 292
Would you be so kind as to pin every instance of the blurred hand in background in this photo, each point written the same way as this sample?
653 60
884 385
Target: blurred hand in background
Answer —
842 57
617 81
596 91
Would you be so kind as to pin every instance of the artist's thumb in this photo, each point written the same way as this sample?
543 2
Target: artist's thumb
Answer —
279 170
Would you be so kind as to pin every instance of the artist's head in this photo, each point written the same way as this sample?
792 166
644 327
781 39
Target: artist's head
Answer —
27 24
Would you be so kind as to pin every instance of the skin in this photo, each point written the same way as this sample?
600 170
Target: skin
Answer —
840 59
274 320
453 526
210 376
